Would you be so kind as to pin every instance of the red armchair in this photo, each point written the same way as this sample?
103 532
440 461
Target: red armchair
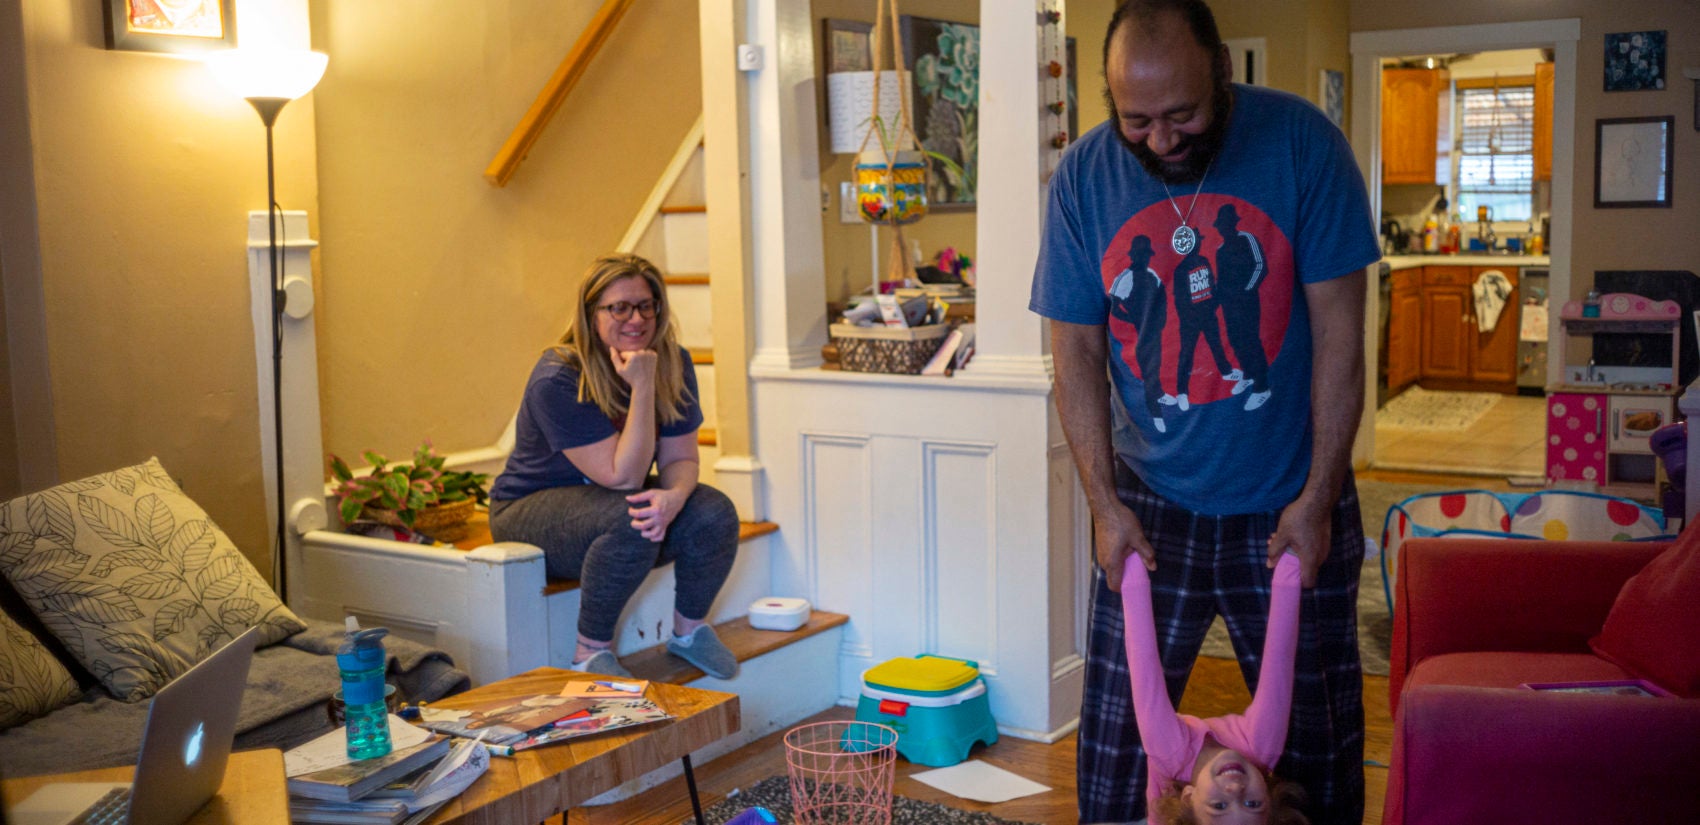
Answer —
1474 620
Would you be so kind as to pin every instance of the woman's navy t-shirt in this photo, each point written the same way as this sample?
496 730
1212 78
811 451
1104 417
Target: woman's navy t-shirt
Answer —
552 419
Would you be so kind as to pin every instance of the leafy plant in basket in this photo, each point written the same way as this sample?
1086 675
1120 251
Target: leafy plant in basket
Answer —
405 491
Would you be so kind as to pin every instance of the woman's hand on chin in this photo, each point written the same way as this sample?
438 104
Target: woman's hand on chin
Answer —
634 366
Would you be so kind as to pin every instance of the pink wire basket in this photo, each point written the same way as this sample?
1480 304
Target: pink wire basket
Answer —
841 772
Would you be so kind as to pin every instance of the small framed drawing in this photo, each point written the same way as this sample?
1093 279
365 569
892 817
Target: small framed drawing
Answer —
848 46
1332 88
170 25
1632 161
1635 61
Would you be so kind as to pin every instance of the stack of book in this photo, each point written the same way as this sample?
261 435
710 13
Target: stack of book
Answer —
405 786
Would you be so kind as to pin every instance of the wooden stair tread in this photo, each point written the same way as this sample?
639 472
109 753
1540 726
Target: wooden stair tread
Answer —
685 280
684 209
702 356
707 437
745 642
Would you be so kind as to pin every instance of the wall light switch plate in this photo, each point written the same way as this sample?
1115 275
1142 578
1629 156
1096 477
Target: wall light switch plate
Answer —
847 203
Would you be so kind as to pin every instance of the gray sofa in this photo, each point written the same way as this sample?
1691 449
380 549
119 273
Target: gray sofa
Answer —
283 705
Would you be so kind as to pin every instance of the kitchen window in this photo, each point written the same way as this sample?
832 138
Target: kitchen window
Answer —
1496 149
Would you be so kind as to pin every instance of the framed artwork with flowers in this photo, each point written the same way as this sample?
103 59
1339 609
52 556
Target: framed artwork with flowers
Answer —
170 25
1635 61
944 65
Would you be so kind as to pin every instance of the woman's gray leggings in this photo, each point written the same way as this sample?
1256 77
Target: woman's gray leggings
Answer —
586 534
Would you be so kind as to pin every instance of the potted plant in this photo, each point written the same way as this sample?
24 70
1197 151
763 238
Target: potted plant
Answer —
421 496
891 178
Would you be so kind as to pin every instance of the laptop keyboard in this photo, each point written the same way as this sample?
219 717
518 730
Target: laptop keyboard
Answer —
111 809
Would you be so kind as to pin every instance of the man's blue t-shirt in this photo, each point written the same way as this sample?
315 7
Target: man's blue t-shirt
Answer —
1226 331
552 419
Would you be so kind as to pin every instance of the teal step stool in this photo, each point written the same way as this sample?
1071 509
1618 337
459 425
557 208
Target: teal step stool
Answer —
936 704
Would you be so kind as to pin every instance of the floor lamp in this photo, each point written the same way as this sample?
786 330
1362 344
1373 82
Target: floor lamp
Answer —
268 79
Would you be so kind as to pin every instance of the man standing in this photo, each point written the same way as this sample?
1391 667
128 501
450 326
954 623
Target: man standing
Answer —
1210 501
1138 299
1239 263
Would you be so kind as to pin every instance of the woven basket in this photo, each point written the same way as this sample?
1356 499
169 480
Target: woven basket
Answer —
444 522
898 350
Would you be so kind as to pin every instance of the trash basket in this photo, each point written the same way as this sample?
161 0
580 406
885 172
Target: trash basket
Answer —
841 772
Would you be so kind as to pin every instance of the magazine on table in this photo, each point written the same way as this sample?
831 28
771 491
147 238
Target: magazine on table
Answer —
502 721
604 716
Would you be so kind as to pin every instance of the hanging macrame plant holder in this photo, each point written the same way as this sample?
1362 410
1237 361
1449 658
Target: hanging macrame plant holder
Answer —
891 177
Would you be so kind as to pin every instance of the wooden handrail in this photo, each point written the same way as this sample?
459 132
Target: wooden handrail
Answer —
530 127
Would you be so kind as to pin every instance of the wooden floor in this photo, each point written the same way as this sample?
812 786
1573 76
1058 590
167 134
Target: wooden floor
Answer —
1508 440
1216 689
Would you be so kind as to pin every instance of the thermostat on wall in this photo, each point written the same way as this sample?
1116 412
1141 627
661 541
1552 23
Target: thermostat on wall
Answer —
779 613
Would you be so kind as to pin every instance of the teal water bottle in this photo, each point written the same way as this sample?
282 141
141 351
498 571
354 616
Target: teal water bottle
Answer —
361 659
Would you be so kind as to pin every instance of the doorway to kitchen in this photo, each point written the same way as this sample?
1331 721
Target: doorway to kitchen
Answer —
1506 438
1467 433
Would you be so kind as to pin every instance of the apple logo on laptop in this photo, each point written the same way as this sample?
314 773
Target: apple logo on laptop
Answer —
192 750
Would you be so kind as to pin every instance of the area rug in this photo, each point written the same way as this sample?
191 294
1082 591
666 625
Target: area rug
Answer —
1420 409
1375 623
774 794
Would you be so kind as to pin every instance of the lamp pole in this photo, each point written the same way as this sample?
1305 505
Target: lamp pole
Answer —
268 108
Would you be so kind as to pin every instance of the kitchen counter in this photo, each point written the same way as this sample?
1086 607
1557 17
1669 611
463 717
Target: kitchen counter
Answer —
1476 259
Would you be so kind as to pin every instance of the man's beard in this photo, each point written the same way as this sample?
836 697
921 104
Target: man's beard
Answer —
1203 146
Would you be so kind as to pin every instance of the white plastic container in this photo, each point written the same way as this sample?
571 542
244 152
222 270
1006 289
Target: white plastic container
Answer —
779 613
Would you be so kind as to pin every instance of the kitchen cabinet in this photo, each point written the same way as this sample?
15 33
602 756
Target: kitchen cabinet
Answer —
1410 123
1456 354
1543 121
1405 330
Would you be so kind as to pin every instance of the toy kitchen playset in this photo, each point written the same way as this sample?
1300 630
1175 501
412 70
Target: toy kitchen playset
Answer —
1603 412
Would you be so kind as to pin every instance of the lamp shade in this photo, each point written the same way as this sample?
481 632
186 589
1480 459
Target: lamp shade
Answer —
850 107
283 74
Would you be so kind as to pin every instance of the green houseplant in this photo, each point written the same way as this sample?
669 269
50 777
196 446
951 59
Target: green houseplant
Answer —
419 496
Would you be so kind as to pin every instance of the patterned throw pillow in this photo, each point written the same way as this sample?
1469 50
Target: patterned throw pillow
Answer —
32 682
133 577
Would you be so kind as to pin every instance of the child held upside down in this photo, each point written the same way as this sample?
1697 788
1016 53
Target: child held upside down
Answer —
1215 770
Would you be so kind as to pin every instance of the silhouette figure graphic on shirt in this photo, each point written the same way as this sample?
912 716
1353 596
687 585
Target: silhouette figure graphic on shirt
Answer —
1240 266
1195 304
1137 297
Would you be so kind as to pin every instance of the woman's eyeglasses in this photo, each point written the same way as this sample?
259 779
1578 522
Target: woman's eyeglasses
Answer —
622 310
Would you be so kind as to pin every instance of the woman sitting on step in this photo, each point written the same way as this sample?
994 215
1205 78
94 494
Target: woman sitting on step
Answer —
616 397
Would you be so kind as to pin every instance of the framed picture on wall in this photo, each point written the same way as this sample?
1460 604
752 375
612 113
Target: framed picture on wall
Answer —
943 59
1635 61
1632 161
848 46
170 25
1333 92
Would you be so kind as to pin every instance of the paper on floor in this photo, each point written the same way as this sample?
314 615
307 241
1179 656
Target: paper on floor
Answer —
980 781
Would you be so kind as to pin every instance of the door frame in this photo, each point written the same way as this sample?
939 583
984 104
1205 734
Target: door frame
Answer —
1368 49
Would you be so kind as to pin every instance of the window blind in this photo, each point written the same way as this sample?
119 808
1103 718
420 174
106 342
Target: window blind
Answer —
1496 145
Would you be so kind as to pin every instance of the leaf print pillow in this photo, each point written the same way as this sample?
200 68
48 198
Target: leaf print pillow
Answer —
133 577
32 682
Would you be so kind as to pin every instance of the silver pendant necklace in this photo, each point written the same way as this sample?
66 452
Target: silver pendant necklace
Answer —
1184 240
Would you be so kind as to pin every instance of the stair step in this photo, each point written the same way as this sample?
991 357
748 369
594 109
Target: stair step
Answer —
745 642
684 209
685 280
707 437
701 356
746 530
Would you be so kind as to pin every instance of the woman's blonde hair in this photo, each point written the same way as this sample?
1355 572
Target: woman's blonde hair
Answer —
1285 797
583 349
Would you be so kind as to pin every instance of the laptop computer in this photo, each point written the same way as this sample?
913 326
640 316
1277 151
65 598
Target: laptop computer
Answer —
190 729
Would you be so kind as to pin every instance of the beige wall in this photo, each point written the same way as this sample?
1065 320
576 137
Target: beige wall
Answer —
1604 238
144 171
847 249
437 290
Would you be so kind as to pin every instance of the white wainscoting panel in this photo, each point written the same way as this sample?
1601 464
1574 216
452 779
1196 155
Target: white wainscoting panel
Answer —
959 559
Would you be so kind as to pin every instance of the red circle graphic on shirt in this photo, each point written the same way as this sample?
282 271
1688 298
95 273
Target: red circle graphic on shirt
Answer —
1200 286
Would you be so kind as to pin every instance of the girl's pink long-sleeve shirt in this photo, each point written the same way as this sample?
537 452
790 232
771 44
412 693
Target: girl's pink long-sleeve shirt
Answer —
1173 740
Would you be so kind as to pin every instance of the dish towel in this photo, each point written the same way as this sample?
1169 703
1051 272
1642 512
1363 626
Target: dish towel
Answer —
1491 289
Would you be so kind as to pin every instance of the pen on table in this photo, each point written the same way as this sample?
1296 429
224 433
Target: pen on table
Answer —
498 750
623 687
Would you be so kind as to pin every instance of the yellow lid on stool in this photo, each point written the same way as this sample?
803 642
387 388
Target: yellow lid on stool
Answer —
923 674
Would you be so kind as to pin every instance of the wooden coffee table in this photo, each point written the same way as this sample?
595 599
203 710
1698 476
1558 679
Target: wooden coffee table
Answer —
253 790
533 785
